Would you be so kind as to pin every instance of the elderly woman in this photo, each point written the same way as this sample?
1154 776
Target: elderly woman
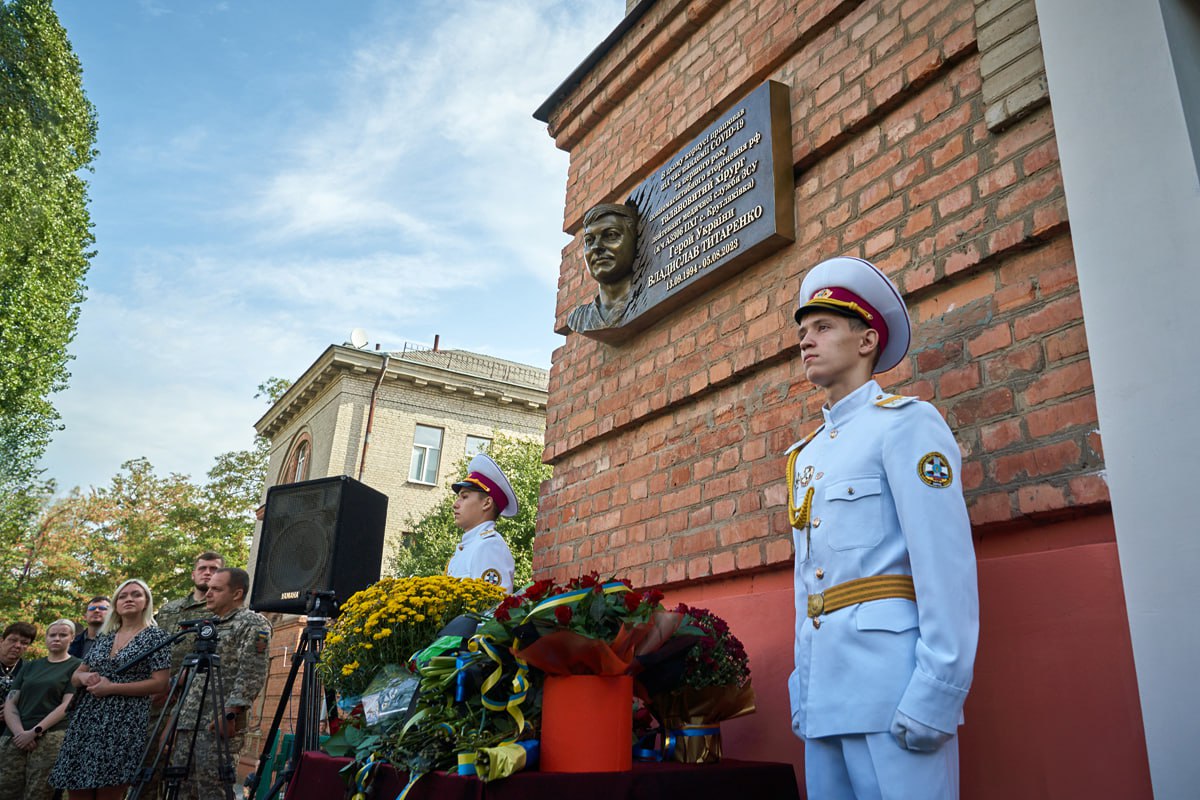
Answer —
35 712
107 735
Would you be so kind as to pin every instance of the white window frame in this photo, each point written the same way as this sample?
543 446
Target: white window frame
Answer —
487 440
422 454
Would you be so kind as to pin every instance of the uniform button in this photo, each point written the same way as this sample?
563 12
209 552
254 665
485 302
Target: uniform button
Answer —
850 490
833 434
820 573
878 397
816 523
816 623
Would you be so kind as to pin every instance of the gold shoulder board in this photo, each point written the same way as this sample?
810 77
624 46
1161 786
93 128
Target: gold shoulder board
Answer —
895 401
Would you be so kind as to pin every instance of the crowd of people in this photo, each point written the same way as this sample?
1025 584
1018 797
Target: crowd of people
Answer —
79 722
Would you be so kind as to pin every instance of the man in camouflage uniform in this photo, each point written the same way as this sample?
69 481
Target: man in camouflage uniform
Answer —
191 606
242 640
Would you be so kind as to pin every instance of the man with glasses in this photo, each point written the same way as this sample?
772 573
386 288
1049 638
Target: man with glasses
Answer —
97 610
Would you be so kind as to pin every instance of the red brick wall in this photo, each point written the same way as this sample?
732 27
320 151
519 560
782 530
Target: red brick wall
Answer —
667 449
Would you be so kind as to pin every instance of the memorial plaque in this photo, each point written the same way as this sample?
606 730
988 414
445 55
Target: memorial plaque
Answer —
724 201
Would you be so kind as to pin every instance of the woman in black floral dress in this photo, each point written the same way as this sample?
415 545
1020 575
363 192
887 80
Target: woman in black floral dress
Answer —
107 735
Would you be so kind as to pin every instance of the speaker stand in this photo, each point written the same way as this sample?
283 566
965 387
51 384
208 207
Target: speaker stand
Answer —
322 606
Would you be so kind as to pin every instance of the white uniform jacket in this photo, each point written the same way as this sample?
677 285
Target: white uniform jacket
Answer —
887 501
483 554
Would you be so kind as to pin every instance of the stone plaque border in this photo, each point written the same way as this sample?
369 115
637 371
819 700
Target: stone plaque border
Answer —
725 200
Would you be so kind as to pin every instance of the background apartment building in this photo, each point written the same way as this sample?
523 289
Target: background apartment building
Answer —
398 421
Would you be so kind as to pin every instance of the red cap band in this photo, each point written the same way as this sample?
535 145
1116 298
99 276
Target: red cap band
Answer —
489 486
846 301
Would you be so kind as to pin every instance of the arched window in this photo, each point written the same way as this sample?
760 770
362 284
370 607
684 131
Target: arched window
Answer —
295 469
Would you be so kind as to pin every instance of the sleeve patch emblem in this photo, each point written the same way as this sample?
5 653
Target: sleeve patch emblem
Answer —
260 641
492 576
934 470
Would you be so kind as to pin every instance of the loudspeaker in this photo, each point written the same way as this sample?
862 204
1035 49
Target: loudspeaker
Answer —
319 535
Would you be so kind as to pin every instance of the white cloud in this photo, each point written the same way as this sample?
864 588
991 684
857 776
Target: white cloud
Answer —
433 137
418 196
153 9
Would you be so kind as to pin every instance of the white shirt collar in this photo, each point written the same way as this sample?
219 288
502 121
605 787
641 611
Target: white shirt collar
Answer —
469 537
850 405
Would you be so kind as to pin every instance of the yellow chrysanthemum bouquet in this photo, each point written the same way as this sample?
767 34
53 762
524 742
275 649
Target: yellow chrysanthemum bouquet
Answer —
389 621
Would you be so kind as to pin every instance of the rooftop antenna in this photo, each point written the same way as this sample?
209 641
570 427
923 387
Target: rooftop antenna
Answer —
358 338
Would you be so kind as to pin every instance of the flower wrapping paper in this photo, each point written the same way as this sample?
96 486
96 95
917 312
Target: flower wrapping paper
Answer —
707 707
565 652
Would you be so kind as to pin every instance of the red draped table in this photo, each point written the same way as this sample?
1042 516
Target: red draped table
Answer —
317 778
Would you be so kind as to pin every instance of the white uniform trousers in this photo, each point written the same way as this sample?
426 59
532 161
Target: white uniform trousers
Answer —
872 766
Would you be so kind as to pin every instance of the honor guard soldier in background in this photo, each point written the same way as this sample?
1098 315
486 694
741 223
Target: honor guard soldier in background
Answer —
887 609
481 497
242 640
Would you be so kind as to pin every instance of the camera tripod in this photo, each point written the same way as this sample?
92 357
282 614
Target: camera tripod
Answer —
204 664
322 606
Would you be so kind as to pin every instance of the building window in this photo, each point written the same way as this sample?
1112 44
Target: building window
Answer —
295 469
426 455
477 445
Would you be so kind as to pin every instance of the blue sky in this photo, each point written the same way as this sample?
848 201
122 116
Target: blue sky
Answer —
275 173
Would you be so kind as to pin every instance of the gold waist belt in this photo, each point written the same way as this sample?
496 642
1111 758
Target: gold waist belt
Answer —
860 590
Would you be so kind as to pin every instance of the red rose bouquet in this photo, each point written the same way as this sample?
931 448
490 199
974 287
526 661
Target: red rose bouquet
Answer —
586 627
713 686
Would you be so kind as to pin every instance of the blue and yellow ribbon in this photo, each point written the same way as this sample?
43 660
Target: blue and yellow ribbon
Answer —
366 776
645 749
642 752
493 763
466 763
550 603
486 645
412 781
697 730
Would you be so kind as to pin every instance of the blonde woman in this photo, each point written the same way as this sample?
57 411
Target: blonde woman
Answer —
107 735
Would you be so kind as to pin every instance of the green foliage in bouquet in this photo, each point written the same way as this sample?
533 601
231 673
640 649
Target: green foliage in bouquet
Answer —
390 620
589 607
455 713
490 693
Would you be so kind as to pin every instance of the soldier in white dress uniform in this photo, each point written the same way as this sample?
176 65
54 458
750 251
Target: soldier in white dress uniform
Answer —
887 610
482 496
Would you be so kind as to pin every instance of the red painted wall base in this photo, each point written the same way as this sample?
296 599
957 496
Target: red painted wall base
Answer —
1053 713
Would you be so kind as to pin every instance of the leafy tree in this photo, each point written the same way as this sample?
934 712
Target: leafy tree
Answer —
434 537
47 134
141 524
40 573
